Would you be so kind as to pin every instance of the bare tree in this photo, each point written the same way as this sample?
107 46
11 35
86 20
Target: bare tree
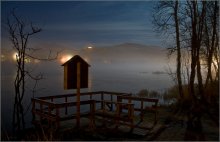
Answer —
194 26
20 32
178 60
196 12
166 18
211 40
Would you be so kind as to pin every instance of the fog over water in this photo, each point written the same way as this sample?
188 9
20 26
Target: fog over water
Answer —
121 68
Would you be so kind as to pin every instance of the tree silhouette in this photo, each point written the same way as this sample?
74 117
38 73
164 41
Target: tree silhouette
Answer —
166 19
194 26
20 32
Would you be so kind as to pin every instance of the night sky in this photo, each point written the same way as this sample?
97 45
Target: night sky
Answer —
86 23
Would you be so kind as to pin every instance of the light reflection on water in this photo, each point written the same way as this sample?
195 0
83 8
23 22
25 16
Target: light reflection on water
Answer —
119 81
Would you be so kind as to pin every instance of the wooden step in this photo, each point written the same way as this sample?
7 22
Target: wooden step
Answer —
145 125
140 132
156 129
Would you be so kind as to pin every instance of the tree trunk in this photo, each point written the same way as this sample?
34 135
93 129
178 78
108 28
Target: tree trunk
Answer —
213 41
198 47
178 70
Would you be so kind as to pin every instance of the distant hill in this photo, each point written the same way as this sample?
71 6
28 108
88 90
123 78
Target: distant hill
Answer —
125 52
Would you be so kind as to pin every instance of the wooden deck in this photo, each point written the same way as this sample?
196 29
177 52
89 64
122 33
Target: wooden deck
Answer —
110 107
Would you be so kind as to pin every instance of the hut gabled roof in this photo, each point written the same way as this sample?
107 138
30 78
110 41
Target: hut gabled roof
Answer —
76 58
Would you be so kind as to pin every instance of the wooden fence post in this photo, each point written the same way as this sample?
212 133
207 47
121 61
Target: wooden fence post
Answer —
112 102
142 110
155 116
132 116
57 117
66 106
102 99
118 111
78 96
90 96
33 109
41 111
92 114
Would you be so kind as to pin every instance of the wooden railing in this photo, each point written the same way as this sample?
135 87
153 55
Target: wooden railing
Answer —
144 107
91 94
51 111
117 116
48 108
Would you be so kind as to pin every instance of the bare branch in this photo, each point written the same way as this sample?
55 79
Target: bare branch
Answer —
49 58
20 32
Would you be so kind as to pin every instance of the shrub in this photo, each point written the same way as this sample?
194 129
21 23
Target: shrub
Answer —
143 93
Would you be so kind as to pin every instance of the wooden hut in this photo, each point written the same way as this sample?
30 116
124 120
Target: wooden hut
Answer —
70 73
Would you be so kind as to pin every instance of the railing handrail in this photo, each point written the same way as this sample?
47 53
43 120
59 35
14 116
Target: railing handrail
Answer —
43 102
116 93
139 99
84 94
69 95
113 102
61 105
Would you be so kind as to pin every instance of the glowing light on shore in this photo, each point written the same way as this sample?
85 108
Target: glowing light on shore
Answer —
90 47
15 56
36 61
65 58
86 59
2 57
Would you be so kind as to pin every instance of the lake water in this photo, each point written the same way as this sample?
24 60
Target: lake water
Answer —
100 79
